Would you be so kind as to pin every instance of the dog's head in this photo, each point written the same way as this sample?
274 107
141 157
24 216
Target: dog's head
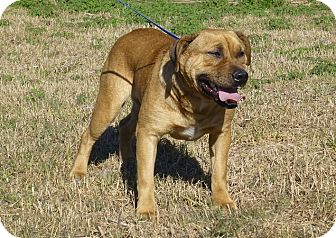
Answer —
214 60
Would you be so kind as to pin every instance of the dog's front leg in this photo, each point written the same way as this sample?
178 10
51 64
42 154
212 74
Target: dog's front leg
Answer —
219 144
146 148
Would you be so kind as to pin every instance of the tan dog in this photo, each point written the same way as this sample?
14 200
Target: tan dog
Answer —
185 88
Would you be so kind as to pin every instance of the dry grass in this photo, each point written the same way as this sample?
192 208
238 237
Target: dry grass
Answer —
282 160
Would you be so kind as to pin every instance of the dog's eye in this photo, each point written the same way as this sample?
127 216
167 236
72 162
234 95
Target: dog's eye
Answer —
215 53
241 54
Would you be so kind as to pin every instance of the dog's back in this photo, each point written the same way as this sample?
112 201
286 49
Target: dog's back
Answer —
134 54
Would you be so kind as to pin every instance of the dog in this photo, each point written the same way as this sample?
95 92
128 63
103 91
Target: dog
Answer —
185 88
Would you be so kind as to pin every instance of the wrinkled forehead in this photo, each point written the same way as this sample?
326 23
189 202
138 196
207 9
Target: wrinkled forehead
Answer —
218 38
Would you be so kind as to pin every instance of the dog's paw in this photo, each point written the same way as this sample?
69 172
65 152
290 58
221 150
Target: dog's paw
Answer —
229 206
225 202
77 174
146 212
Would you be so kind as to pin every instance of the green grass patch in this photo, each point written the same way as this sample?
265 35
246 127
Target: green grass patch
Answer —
64 34
257 83
8 124
324 67
44 73
182 18
93 6
291 75
35 95
76 77
263 4
6 78
81 99
97 44
231 226
4 22
185 18
42 8
277 24
224 24
99 22
32 40
10 198
256 39
35 31
332 143
313 8
225 227
305 51
325 22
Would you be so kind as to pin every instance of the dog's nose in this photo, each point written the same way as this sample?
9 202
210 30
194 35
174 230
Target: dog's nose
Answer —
240 76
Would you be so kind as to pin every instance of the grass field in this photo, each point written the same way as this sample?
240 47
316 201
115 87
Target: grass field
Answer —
282 168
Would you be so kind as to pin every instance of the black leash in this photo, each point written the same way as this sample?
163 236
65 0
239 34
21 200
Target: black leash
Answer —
154 23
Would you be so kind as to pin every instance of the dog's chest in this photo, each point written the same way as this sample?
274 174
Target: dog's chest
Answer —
189 133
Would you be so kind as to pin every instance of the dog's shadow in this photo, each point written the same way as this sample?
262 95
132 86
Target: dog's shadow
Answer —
171 161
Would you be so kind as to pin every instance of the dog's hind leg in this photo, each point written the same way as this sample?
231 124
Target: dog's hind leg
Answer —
127 128
113 92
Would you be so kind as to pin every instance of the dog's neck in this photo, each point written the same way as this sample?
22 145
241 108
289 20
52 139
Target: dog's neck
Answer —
185 96
182 92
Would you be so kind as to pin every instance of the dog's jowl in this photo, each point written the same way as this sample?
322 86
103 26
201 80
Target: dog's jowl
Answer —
184 88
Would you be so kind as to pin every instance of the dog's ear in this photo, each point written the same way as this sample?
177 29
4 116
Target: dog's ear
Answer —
247 45
179 47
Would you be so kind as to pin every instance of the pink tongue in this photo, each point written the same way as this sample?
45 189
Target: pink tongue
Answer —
224 96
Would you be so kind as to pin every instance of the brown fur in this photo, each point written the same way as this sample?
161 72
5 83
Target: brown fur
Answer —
161 76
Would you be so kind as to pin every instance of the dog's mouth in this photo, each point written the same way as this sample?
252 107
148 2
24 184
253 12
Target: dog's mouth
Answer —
225 97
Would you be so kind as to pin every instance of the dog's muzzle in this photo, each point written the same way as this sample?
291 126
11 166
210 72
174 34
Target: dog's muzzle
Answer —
225 97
